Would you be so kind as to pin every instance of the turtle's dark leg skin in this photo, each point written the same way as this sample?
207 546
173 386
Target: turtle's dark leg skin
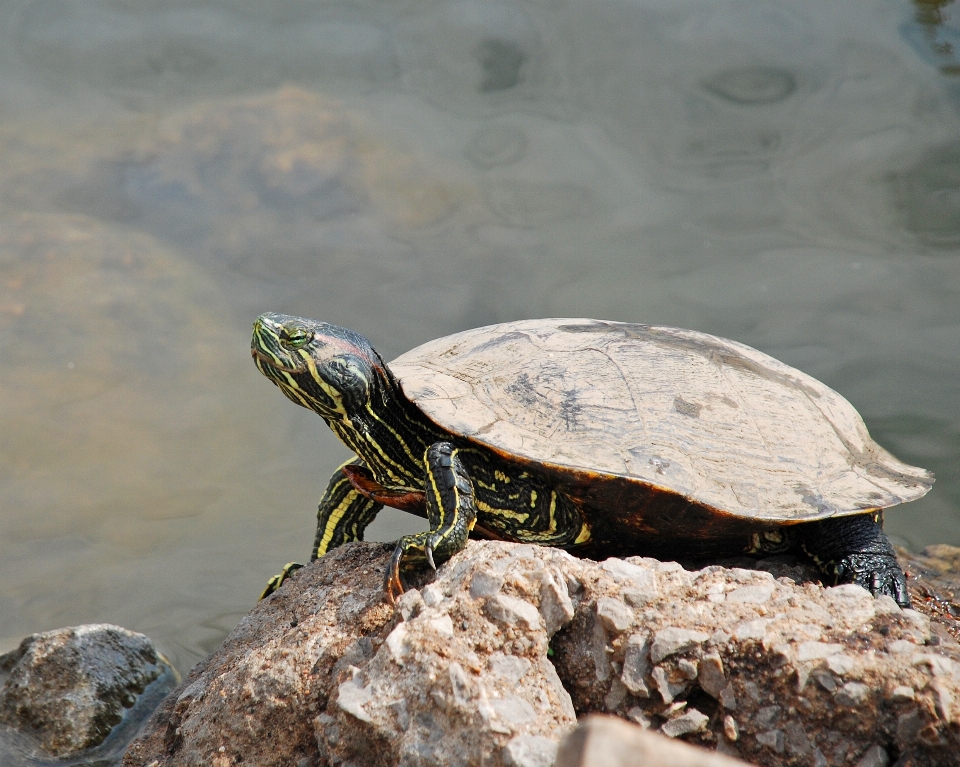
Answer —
451 512
342 516
854 549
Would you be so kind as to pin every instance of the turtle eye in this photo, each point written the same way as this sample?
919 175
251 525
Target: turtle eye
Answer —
297 337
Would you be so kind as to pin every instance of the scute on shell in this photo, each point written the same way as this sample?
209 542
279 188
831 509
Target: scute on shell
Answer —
711 419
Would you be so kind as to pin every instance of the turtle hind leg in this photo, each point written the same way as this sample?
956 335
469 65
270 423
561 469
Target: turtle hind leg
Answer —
451 511
854 549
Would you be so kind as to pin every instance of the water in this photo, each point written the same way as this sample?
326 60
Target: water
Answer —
784 174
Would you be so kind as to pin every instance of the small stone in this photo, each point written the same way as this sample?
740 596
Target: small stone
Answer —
667 567
616 696
767 716
755 629
639 597
817 650
637 714
847 591
886 604
510 668
917 619
730 729
798 742
485 583
825 679
852 694
711 677
513 710
875 756
751 594
772 739
728 698
672 639
442 625
460 685
939 665
555 604
410 604
511 610
668 690
627 571
614 614
944 700
530 751
840 664
902 693
352 697
636 665
718 638
432 596
691 721
688 668
399 710
901 646
396 643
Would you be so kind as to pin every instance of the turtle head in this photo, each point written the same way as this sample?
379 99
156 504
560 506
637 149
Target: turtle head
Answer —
328 369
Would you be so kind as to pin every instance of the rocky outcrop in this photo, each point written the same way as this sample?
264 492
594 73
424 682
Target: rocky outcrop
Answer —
491 663
65 691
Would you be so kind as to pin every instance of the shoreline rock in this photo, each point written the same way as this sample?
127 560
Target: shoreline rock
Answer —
493 661
67 692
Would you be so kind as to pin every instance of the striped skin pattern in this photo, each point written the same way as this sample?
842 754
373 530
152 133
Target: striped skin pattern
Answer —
464 479
338 375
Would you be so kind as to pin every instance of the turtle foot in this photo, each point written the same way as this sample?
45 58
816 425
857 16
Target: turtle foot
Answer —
878 574
277 580
414 551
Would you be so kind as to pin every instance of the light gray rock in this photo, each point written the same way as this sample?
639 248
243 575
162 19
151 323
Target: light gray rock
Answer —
515 641
556 607
636 665
66 690
531 751
511 610
688 722
615 615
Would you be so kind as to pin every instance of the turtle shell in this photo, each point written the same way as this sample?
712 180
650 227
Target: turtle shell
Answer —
715 421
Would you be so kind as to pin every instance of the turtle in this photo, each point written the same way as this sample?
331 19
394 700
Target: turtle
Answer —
602 438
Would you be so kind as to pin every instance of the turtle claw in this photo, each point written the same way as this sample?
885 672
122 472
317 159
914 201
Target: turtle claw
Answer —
392 587
878 575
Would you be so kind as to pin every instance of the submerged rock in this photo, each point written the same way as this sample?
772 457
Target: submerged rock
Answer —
66 690
492 662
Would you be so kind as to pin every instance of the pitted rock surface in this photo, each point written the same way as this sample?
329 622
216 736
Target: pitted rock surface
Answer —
66 690
491 663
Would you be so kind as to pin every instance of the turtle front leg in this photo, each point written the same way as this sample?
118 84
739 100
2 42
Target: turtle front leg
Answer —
854 549
343 514
451 512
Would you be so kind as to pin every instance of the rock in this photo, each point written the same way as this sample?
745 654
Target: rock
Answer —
603 741
788 673
66 690
467 675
